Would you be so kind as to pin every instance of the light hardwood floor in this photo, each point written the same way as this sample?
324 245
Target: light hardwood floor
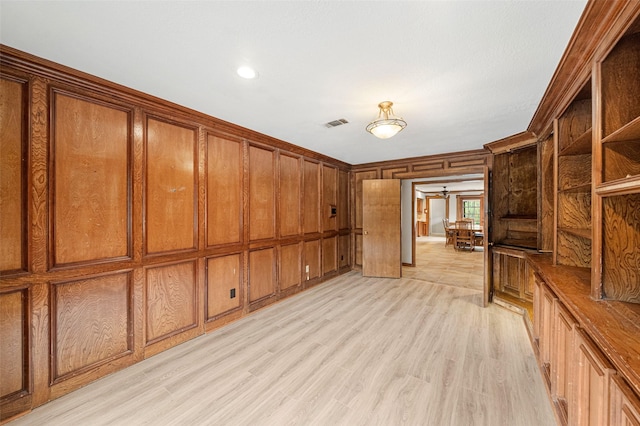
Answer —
352 351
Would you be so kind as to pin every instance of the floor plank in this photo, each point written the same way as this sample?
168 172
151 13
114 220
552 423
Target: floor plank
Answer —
419 350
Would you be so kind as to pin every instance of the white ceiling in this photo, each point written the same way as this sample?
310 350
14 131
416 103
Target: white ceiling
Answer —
461 73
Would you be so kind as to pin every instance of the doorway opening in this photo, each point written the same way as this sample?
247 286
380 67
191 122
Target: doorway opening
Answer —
429 206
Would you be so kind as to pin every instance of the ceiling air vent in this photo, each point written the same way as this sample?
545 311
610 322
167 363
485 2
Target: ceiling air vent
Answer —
336 123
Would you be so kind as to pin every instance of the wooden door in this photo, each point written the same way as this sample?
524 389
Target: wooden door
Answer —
381 254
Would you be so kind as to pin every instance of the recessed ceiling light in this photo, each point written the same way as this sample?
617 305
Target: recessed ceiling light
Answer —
247 72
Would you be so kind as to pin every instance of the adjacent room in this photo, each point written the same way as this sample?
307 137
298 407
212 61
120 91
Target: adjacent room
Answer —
320 212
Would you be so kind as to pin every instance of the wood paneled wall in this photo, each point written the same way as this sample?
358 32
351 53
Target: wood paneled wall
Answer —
457 163
130 224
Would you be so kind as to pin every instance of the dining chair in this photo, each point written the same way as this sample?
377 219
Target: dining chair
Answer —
449 232
464 239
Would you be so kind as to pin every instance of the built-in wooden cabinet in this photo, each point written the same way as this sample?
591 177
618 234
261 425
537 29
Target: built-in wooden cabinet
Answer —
590 346
514 228
624 405
617 171
515 197
562 360
510 273
590 396
573 182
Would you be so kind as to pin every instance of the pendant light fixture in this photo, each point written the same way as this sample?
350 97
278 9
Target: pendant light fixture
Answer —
387 124
445 193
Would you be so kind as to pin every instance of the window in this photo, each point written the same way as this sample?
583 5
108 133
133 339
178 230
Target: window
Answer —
472 209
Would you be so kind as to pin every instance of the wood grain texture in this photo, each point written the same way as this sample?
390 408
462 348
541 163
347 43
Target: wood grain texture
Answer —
311 260
510 273
546 207
453 163
548 300
38 192
590 402
170 191
290 198
621 160
624 406
344 251
621 84
311 197
329 255
574 171
574 210
574 122
352 351
573 250
91 322
381 250
329 198
343 200
224 190
167 145
170 300
523 181
621 248
12 175
512 279
262 280
358 249
13 342
261 193
224 274
562 359
359 177
290 266
91 180
499 202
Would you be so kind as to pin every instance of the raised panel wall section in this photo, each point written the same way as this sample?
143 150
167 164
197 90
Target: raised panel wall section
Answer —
170 187
290 184
224 190
171 303
14 367
311 213
261 274
12 174
130 224
224 285
91 181
91 322
261 193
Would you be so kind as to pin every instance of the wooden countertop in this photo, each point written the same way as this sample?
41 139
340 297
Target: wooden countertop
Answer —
614 326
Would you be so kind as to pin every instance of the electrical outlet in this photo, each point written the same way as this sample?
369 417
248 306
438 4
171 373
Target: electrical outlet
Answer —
232 293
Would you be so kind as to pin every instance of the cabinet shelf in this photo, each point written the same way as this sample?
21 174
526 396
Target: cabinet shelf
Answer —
628 132
530 243
580 188
629 185
528 217
580 232
582 145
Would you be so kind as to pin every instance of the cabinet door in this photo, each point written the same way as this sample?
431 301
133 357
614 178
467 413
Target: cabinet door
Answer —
547 301
561 358
537 311
590 394
624 409
510 273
